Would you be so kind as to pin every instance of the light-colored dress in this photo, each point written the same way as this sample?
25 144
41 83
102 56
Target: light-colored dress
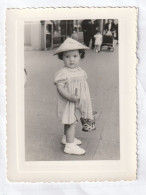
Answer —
98 39
75 36
73 79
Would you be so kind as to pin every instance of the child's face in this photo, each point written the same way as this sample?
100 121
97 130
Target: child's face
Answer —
71 58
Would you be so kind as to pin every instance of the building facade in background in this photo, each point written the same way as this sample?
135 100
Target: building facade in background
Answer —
48 34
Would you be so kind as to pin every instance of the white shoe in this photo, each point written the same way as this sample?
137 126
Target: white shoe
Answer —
76 141
71 148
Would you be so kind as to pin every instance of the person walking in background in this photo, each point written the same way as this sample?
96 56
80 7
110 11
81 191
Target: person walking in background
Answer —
73 94
98 41
92 33
75 34
89 28
86 27
109 28
95 28
108 35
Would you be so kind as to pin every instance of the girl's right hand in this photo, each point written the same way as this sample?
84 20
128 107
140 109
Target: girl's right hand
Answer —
74 98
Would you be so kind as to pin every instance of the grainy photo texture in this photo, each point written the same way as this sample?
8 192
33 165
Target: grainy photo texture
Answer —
71 98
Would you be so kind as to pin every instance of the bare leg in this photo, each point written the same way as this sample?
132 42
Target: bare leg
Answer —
99 47
64 139
70 146
70 133
96 48
65 129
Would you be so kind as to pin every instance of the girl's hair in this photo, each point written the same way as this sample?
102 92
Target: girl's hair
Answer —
81 52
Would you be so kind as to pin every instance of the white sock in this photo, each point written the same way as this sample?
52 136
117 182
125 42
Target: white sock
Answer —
69 144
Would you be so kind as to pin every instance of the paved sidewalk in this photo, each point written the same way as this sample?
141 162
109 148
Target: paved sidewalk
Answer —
43 132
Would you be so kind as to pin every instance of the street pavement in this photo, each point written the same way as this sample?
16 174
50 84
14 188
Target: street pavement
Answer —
43 131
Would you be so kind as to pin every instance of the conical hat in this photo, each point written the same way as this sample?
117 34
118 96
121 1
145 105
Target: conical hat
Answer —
70 44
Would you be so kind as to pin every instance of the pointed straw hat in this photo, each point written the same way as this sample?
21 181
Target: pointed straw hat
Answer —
70 44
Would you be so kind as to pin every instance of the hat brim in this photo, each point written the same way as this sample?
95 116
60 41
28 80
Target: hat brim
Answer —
71 49
69 45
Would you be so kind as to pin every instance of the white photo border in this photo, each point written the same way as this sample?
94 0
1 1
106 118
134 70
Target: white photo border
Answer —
18 170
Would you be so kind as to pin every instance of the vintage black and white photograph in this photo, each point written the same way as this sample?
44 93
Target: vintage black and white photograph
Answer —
72 111
71 90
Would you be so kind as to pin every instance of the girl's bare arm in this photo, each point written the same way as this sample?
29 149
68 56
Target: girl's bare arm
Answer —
67 95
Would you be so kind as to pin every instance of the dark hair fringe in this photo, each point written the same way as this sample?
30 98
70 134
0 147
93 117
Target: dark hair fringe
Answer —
81 52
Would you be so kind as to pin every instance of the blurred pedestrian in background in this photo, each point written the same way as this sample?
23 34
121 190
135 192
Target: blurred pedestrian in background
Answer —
109 28
86 31
75 35
89 28
98 41
108 35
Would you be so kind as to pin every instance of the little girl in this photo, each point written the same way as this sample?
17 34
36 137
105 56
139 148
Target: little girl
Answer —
74 96
75 34
98 41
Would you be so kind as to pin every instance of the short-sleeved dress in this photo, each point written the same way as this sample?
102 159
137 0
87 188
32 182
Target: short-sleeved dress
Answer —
73 79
